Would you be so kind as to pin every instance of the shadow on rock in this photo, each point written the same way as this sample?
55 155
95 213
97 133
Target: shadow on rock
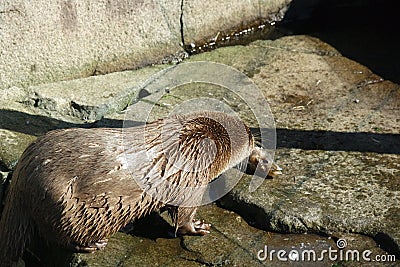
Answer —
339 141
360 30
38 125
152 227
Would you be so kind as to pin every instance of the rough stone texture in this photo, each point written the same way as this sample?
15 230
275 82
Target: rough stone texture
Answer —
338 144
232 243
333 109
45 41
325 192
27 113
50 41
91 98
31 112
19 125
199 18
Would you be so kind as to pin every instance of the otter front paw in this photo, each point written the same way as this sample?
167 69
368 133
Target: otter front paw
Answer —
195 227
92 247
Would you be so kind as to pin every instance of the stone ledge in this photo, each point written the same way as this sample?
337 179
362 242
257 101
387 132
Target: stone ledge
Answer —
44 42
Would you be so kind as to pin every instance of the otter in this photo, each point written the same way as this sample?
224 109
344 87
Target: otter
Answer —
75 187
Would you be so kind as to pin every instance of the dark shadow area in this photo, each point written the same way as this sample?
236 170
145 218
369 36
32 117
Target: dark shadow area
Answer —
338 141
41 253
38 125
335 141
49 255
365 31
152 227
308 140
35 125
388 244
254 215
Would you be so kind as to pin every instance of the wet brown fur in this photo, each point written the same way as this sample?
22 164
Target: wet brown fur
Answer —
72 187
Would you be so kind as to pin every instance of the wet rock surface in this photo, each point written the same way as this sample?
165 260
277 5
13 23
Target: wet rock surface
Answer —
232 242
337 129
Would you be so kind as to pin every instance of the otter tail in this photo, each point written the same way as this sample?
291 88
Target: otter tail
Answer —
15 231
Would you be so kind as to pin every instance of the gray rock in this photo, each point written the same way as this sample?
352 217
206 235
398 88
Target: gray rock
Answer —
232 242
53 41
21 124
48 42
324 192
337 180
344 174
340 158
91 98
199 17
28 113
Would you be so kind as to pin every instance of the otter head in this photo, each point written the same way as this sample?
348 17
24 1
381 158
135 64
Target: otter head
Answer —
223 140
261 164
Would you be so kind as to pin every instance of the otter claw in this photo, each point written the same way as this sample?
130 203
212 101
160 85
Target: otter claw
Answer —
101 244
195 227
201 227
92 247
275 170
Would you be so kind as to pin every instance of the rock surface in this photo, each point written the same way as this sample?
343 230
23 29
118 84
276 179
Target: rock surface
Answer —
30 112
44 41
231 243
337 129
